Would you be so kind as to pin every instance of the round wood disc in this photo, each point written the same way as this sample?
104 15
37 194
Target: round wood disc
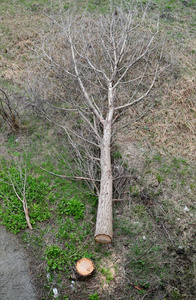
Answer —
85 266
103 239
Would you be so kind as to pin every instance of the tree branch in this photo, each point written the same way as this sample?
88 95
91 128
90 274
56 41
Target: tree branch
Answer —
99 116
142 97
70 177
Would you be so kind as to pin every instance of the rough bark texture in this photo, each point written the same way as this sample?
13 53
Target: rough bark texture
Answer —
104 228
104 232
27 214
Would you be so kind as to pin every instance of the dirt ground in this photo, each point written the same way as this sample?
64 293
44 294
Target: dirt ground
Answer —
153 253
15 276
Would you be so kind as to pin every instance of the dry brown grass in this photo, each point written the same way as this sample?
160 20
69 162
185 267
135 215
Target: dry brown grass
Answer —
19 32
169 128
170 125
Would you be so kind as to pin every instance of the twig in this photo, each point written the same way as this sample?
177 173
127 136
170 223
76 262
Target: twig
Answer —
123 199
133 260
165 229
70 177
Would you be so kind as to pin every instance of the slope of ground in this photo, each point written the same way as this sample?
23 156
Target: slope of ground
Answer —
153 253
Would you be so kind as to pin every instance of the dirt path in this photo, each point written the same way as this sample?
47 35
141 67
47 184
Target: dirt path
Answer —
15 280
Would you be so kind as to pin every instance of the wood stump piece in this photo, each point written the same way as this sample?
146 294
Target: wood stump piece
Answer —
103 239
85 267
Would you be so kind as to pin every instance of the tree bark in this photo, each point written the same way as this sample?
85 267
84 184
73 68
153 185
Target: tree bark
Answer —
104 228
26 213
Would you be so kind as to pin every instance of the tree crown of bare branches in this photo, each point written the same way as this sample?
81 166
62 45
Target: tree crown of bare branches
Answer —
104 64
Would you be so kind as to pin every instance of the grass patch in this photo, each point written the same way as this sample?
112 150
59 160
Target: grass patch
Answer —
73 207
36 192
107 273
94 296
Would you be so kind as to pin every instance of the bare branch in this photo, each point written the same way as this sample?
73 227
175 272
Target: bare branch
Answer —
93 67
51 59
79 136
99 116
69 177
143 96
133 62
23 179
94 129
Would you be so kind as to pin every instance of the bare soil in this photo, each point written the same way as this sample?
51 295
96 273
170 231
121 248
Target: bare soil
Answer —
15 276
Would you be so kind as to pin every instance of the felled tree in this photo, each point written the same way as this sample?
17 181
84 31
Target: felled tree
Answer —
100 66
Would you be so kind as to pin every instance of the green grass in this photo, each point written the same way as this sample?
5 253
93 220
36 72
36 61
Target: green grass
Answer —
39 5
45 194
50 199
11 208
107 273
63 212
53 199
55 257
72 207
94 296
101 6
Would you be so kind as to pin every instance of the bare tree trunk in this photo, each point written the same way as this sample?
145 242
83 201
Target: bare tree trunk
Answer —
104 228
104 232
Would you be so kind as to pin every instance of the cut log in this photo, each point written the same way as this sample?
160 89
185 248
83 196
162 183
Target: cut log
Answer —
85 267
104 228
103 239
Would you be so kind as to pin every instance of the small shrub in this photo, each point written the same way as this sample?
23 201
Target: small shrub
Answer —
59 259
55 257
117 155
73 207
159 178
11 208
94 296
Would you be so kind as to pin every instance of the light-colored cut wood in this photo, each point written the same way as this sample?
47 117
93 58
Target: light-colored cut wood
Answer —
84 267
103 239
